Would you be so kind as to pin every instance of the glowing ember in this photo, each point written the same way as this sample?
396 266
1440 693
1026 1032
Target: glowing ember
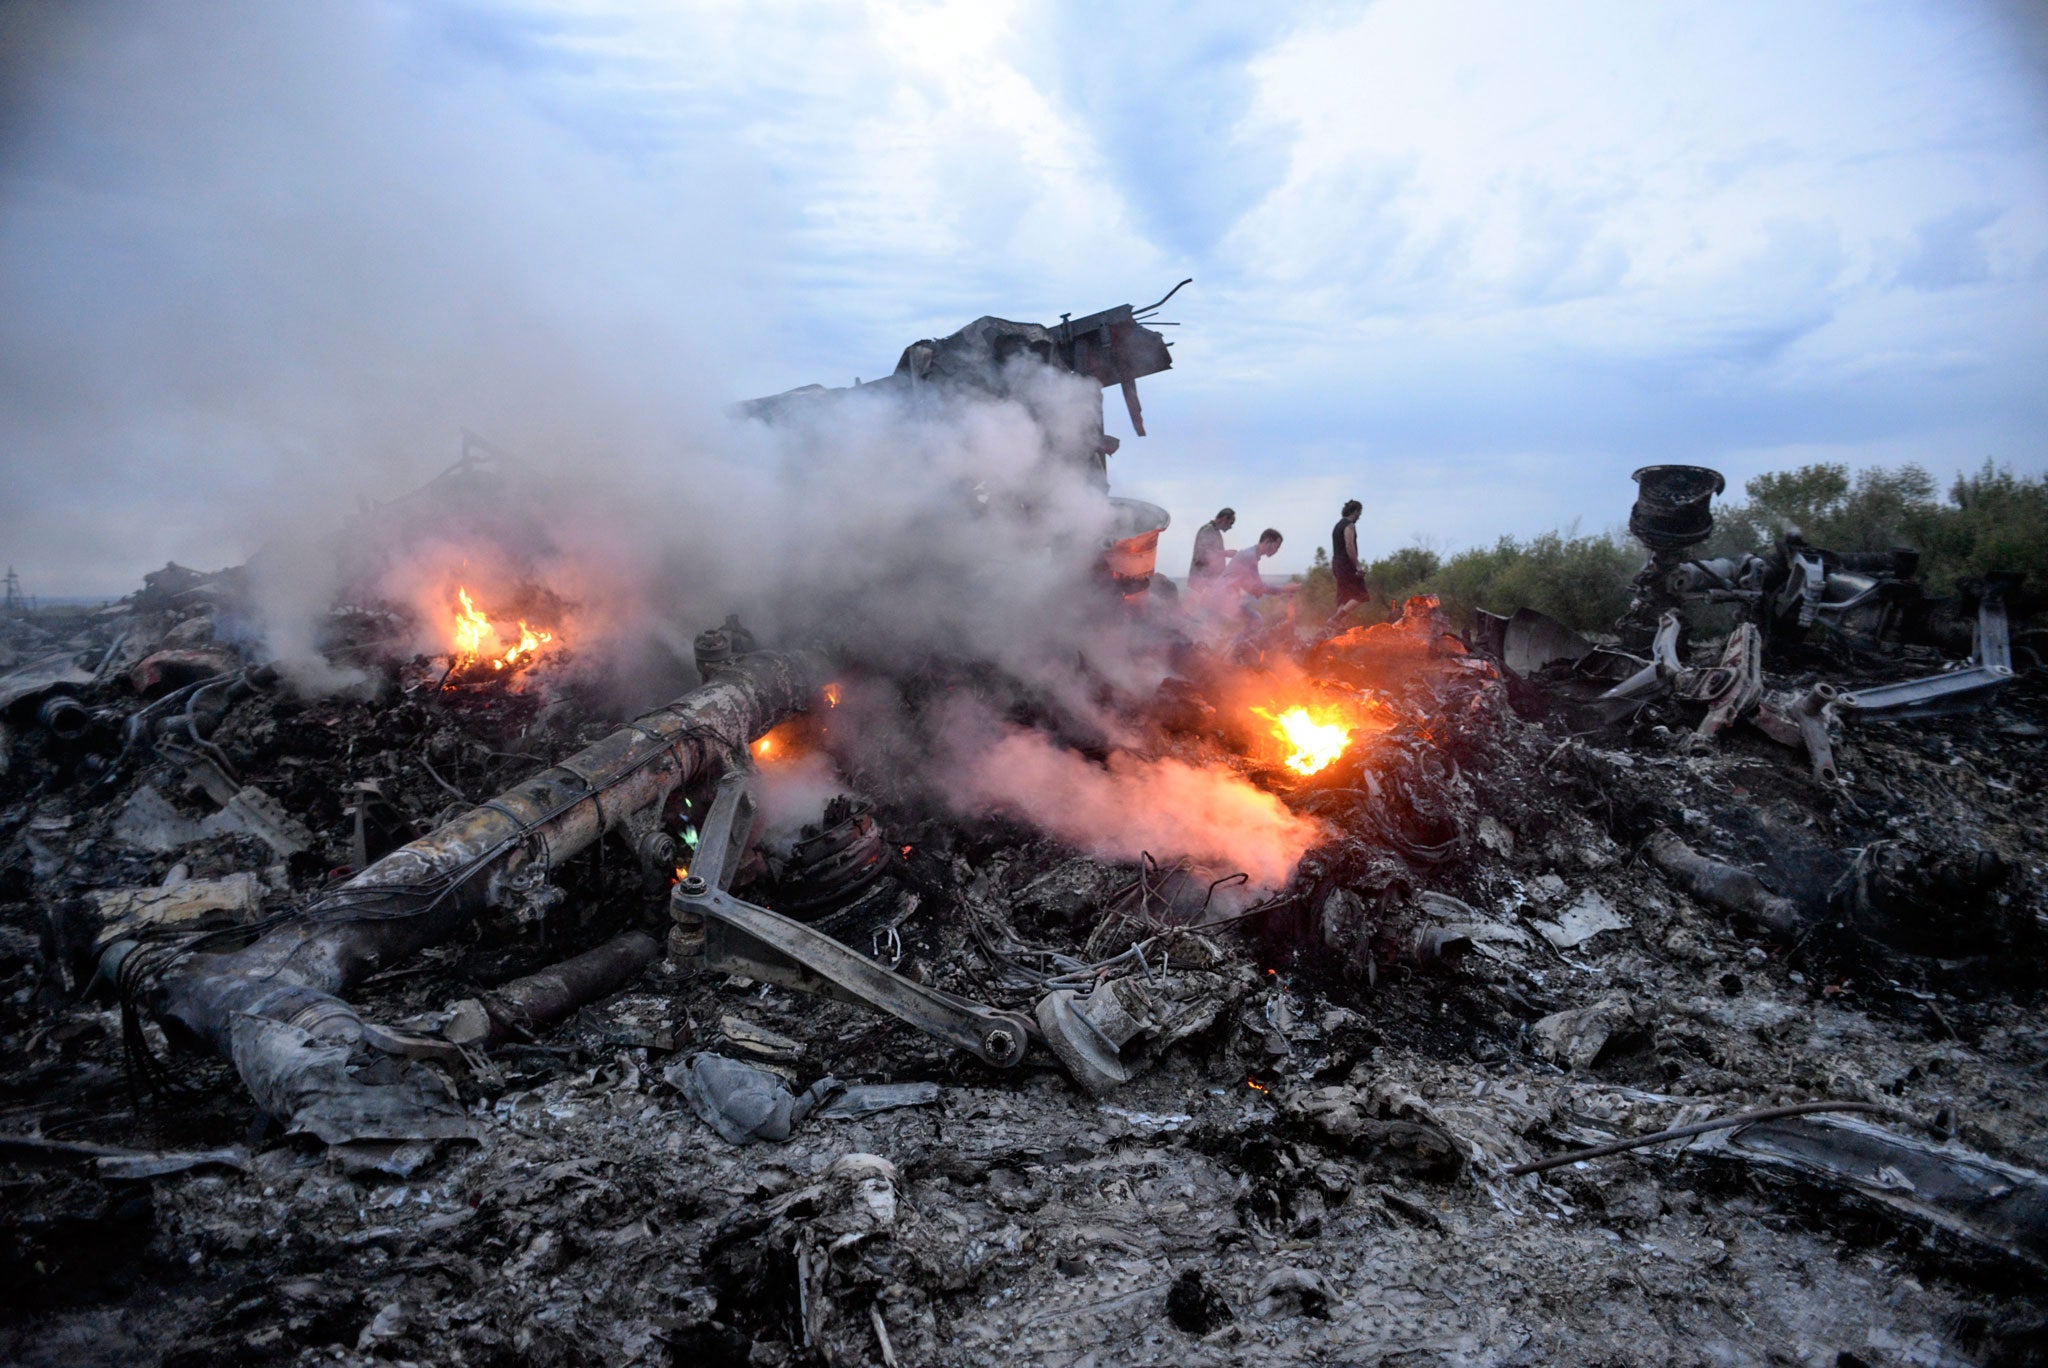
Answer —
1256 1086
478 638
765 746
682 873
1315 741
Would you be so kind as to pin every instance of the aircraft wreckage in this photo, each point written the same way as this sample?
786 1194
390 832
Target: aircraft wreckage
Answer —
1671 989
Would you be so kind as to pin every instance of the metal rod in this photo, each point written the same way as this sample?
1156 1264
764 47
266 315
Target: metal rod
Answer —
1702 1128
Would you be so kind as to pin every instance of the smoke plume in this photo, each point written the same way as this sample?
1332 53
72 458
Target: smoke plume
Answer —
269 261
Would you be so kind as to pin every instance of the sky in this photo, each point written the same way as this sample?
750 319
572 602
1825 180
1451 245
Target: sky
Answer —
1471 263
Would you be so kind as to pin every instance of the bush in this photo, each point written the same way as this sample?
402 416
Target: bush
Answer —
1318 595
1991 521
1394 577
1582 581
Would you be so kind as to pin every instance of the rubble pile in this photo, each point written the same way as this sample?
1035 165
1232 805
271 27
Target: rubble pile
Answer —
1288 992
1037 1104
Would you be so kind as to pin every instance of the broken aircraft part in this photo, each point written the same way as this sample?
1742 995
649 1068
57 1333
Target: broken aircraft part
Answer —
1946 693
1723 885
1674 506
418 895
740 937
541 999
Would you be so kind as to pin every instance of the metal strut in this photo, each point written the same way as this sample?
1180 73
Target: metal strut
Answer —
742 938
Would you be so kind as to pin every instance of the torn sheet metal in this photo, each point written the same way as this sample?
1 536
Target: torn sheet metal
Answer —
149 822
1955 691
1582 921
1982 1199
742 1103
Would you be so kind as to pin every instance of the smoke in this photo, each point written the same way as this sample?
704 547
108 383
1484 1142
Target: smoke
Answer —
1124 807
264 260
1133 805
269 261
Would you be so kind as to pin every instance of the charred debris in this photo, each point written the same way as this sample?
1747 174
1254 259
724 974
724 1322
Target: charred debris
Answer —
470 1018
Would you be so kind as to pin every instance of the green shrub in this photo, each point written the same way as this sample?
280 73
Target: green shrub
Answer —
1582 581
1394 577
1318 595
1992 520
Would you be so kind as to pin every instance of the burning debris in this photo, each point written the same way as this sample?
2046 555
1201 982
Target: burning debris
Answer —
1240 991
480 645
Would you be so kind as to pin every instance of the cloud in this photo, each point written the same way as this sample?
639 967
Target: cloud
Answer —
1949 251
278 257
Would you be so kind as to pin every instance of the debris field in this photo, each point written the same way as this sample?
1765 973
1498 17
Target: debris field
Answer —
495 1012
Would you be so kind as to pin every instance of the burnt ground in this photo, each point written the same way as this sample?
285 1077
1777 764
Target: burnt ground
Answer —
1316 1176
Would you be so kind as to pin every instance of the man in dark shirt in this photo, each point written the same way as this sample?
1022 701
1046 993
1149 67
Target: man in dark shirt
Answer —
1344 557
1211 556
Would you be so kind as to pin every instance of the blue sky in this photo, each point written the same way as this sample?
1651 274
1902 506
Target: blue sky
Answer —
1471 263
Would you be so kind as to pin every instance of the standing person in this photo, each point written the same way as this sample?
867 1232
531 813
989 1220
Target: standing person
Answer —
1344 557
1211 556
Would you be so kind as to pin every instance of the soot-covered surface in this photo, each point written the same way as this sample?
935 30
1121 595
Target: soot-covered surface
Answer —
1476 966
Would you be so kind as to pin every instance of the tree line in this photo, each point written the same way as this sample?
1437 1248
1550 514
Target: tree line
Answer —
1988 521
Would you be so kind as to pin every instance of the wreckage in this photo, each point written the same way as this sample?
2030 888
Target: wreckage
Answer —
475 1019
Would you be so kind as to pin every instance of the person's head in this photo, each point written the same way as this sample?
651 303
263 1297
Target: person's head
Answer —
1226 519
1352 508
1269 541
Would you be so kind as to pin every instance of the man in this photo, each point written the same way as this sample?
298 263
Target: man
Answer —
1211 556
1243 575
1344 557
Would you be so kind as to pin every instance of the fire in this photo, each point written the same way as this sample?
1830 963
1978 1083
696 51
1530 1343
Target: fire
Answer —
1313 735
831 695
1256 1086
478 638
765 746
471 626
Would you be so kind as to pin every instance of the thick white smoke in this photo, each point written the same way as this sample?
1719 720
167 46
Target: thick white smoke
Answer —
267 261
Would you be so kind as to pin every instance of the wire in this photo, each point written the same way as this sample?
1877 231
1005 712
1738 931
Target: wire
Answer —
1702 1128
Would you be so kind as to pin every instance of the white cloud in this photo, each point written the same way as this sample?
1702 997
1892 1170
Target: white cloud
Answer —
1432 243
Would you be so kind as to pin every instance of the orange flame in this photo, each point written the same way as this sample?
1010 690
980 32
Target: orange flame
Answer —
477 638
471 627
831 695
1256 1086
1314 737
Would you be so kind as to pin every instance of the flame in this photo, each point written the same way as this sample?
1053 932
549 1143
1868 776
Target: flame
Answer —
477 638
682 873
471 627
1256 1086
831 695
765 746
1314 736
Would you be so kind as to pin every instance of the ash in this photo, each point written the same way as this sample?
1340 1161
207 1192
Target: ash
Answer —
1516 929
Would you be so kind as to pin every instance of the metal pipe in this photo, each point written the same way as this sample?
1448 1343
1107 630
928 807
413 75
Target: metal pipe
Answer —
1811 714
1723 885
65 716
544 998
422 893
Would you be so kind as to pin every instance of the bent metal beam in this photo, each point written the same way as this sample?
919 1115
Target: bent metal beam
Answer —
419 895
